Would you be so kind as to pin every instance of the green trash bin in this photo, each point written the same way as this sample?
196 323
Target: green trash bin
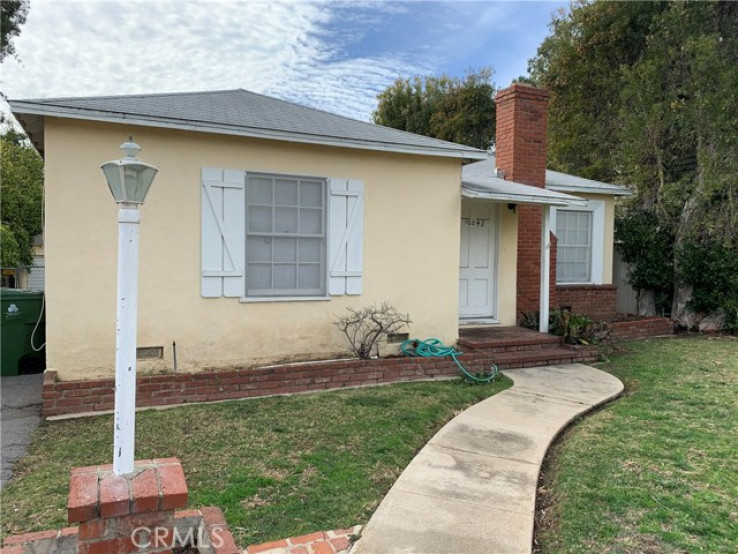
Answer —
20 312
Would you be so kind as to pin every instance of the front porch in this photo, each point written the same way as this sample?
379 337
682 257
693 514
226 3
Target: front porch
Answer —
506 225
512 347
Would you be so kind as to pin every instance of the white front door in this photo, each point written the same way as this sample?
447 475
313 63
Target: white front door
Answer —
477 269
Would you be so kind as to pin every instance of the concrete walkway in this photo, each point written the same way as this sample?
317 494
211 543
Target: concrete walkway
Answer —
472 488
20 415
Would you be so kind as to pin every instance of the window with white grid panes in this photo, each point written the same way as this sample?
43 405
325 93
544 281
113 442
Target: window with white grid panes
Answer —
574 248
285 236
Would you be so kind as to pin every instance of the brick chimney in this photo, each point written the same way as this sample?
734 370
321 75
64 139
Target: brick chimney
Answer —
520 145
520 140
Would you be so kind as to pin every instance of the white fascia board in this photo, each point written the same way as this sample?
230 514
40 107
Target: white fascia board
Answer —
613 190
269 134
521 198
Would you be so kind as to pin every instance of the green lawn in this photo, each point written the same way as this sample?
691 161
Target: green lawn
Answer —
657 470
278 467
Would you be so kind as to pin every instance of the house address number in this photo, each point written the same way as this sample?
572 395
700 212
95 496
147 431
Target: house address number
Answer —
474 221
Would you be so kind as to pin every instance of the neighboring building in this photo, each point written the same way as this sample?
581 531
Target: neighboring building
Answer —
31 278
36 275
268 219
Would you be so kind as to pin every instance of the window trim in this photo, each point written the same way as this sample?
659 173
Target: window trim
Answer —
257 299
288 295
597 209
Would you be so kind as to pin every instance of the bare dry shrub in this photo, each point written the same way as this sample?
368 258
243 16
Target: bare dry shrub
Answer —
365 328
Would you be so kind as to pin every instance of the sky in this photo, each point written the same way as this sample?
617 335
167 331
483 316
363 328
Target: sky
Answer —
333 55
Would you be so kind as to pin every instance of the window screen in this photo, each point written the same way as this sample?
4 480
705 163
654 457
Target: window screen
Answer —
574 251
285 236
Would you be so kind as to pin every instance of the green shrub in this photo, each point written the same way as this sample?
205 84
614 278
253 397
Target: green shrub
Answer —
711 269
646 245
530 320
573 328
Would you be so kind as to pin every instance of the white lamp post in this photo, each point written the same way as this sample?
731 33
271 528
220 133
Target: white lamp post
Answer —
129 180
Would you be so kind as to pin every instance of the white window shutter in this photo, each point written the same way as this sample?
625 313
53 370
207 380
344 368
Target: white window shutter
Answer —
223 214
346 236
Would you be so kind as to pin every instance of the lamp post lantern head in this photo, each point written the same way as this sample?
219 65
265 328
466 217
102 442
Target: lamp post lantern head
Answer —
129 179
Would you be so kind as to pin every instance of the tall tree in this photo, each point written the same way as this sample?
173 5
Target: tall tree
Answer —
579 63
447 108
13 14
21 189
646 93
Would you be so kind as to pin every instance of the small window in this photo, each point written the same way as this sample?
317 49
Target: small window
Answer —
574 250
285 236
8 278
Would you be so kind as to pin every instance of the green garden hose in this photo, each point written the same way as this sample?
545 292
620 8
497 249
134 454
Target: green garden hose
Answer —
434 348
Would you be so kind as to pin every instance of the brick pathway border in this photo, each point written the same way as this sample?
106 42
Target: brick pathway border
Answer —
322 542
207 522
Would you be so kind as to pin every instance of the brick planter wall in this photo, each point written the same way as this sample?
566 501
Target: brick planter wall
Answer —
641 328
597 302
74 397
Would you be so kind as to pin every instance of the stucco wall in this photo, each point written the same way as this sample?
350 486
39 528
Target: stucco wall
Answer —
411 248
507 264
608 239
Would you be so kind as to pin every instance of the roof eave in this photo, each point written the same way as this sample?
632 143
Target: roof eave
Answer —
611 191
31 108
472 192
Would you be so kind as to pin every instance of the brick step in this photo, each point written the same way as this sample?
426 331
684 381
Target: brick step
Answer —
534 341
544 356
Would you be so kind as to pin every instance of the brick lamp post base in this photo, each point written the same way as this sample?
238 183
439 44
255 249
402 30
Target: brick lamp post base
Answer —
121 515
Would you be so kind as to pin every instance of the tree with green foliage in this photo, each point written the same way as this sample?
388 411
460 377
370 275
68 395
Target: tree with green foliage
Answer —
10 134
446 108
22 190
13 14
646 94
578 63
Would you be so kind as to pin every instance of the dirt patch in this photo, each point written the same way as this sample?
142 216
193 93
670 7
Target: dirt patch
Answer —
638 543
547 516
254 502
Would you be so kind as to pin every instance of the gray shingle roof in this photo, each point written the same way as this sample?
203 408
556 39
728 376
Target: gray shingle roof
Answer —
241 112
480 180
564 182
555 180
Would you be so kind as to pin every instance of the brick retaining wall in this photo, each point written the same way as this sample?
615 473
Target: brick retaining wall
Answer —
74 397
640 328
71 397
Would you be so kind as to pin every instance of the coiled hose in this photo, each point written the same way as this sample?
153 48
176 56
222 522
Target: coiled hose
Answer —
434 348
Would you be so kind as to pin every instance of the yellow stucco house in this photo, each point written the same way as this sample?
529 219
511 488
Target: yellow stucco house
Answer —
268 219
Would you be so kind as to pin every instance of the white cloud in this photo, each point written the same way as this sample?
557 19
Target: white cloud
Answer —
88 48
329 54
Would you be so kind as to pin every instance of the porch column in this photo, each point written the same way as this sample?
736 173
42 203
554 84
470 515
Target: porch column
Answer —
543 297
